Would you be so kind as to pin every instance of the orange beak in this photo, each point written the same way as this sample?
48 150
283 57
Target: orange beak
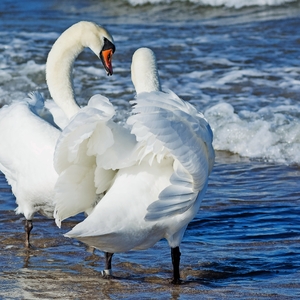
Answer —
106 58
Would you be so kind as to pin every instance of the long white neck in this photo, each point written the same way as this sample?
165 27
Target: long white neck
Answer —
58 71
61 58
144 73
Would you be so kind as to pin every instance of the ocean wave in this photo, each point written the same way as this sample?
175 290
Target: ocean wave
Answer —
216 3
271 134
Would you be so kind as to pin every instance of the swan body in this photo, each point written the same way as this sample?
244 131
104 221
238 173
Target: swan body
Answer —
28 131
27 161
161 189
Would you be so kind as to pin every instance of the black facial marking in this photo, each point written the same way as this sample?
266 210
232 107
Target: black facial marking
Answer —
108 45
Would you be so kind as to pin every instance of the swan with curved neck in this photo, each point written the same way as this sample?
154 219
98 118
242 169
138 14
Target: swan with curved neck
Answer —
160 189
63 54
28 141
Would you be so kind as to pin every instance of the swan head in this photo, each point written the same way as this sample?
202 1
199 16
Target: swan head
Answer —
98 39
144 73
63 54
106 54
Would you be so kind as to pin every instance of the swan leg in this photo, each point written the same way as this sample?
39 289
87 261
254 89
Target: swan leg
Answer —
107 273
28 227
175 254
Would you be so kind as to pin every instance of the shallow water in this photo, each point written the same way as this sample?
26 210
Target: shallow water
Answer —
241 68
243 244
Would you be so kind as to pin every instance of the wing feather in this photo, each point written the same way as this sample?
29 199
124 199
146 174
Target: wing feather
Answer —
165 124
81 180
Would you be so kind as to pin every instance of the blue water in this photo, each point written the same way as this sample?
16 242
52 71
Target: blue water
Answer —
240 66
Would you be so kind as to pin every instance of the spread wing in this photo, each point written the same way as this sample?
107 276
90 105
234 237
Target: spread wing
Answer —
166 126
87 156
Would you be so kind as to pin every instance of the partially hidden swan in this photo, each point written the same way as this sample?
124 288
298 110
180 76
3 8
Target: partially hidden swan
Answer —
155 188
28 133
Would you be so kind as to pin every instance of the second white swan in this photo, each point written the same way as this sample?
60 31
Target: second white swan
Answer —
158 189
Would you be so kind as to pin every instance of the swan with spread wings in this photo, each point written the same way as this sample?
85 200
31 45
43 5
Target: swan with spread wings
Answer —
155 182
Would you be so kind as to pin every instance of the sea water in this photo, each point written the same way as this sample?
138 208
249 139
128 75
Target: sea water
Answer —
238 63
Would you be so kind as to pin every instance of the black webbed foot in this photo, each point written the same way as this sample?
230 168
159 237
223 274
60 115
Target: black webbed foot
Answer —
107 274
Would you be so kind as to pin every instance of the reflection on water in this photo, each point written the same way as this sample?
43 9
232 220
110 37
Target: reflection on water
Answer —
243 244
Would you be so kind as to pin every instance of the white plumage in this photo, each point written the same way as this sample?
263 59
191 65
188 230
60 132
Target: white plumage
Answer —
28 131
26 151
158 191
89 152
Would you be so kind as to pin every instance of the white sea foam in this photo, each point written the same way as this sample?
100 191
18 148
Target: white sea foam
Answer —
216 3
271 134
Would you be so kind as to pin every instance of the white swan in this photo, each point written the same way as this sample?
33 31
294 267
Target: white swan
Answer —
160 190
28 140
